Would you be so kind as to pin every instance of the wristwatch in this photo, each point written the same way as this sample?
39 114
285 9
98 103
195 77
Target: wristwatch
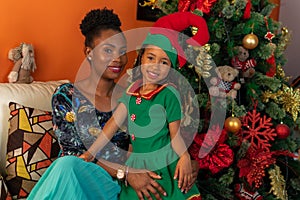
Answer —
121 173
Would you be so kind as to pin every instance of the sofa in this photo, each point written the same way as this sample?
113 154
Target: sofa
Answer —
26 132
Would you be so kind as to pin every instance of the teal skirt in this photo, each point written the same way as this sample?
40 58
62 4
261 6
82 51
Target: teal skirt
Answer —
70 177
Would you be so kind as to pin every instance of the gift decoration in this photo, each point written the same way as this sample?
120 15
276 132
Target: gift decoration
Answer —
244 194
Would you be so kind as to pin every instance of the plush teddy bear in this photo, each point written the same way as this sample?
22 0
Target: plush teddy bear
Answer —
224 85
24 64
243 63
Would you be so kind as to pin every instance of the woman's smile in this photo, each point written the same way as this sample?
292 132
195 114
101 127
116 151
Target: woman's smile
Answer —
115 69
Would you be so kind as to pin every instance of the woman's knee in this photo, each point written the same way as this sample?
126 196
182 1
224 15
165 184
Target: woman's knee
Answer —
67 163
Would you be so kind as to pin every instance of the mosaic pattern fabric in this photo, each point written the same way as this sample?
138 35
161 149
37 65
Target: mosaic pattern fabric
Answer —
4 194
32 146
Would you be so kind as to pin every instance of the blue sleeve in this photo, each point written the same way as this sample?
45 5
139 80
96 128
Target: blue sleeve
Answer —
63 117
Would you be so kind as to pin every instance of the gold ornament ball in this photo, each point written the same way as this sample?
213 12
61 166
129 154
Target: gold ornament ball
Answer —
284 31
233 124
250 41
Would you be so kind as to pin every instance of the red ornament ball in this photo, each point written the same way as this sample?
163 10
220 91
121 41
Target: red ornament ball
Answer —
233 124
283 131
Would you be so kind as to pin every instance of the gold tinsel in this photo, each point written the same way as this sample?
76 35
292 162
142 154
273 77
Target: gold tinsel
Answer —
290 99
267 95
277 183
280 73
204 62
152 3
285 37
287 97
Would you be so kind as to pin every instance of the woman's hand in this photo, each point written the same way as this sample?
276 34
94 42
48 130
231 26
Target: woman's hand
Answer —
144 184
87 156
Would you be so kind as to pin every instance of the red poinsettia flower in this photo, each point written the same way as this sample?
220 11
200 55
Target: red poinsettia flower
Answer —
210 151
253 165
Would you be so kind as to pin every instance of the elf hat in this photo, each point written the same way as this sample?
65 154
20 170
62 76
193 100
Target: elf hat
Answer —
165 32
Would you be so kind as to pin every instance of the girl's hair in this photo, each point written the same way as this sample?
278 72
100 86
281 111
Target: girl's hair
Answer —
96 21
137 74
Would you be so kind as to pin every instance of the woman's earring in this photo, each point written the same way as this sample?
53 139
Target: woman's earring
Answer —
89 58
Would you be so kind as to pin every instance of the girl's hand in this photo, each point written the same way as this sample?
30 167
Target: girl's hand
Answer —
87 156
184 172
144 184
196 168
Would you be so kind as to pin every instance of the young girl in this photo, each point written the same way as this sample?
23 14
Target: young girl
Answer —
153 109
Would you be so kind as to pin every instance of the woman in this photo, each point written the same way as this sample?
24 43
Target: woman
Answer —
80 110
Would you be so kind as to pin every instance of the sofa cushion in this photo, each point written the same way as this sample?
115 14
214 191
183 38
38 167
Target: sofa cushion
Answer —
36 95
32 146
4 193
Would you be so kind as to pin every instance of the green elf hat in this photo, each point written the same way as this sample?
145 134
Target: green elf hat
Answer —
165 32
164 43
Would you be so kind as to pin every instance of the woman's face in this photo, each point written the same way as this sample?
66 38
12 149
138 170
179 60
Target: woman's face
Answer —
155 64
109 57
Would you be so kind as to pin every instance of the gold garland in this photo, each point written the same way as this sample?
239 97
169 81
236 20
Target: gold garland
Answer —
204 62
288 97
277 183
153 3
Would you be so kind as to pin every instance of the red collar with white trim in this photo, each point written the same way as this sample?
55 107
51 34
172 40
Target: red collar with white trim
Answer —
134 90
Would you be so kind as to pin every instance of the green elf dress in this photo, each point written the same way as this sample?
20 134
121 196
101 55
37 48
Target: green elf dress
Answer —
148 119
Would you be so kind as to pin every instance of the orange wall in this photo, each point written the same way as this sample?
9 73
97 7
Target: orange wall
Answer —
53 28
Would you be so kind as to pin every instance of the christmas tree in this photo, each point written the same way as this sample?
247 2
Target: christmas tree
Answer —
253 152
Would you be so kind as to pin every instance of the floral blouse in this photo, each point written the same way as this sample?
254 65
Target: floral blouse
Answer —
77 124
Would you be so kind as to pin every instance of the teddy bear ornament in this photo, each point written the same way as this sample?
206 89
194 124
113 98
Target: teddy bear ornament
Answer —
24 63
224 85
243 62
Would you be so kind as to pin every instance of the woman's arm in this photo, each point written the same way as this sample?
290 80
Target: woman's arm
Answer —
142 181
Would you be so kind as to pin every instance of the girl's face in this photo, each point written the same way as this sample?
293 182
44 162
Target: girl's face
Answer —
109 57
155 64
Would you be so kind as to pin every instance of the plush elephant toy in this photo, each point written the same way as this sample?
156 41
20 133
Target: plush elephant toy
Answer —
24 63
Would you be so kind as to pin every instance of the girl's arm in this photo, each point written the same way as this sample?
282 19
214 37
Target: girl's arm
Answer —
177 142
111 126
183 169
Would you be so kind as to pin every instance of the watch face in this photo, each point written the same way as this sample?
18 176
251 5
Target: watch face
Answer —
120 174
